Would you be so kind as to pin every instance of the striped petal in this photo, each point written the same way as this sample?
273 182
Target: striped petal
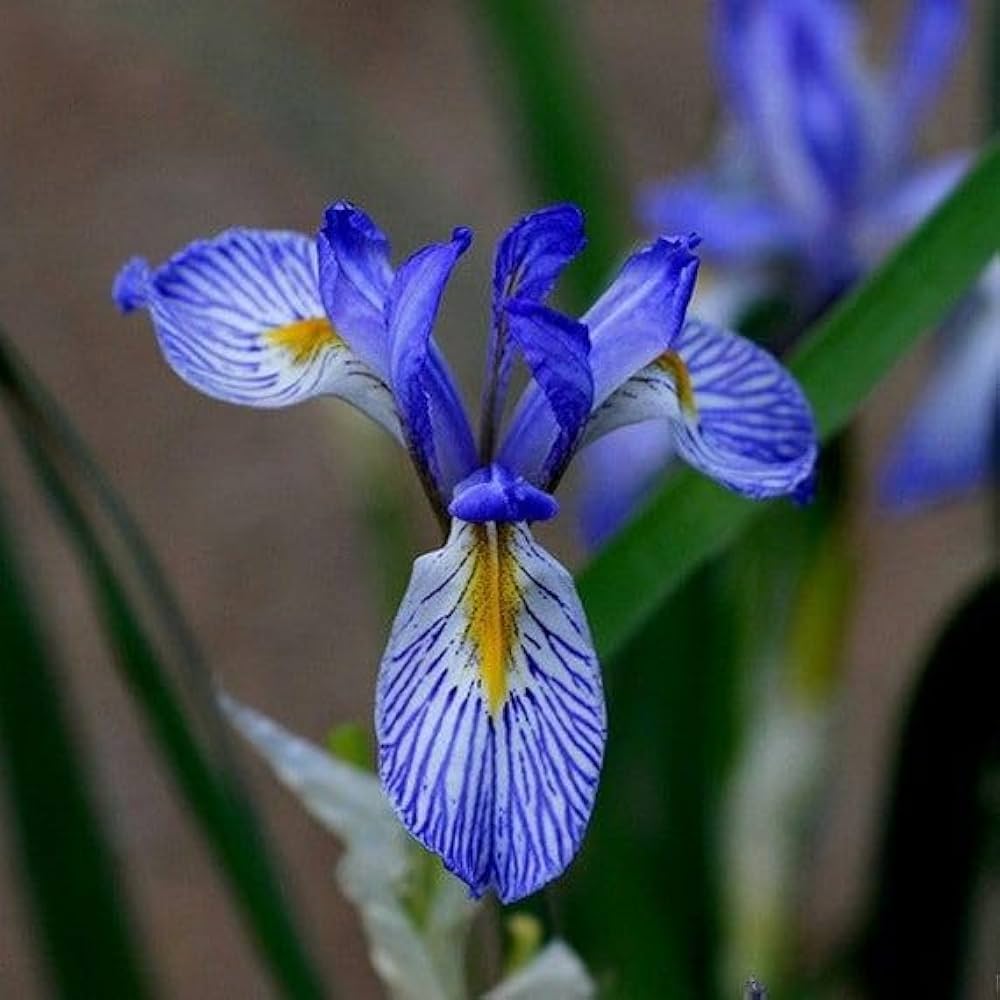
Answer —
735 413
805 115
529 259
239 317
430 406
489 711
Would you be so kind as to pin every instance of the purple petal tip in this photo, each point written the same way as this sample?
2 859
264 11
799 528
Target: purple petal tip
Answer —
131 288
462 235
805 492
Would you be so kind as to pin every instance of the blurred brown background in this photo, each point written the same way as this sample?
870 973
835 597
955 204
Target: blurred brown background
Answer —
135 127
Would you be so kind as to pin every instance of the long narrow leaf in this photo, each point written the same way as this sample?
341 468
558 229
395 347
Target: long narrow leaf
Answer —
67 863
215 800
691 519
41 409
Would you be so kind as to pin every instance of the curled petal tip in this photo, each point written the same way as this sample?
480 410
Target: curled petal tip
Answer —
805 492
736 414
346 214
341 207
131 288
687 241
570 208
462 235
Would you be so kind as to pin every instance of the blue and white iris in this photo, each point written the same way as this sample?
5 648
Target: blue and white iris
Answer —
816 178
489 710
817 167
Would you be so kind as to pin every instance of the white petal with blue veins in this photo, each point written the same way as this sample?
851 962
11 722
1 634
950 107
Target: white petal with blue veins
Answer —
732 411
239 317
489 711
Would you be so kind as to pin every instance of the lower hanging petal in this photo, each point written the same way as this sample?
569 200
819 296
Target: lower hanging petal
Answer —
239 317
490 713
735 413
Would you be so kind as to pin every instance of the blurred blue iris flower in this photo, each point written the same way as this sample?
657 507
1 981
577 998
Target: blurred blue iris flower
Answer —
816 169
489 709
815 178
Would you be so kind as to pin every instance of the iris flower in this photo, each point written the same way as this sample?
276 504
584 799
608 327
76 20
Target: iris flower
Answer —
489 711
814 179
817 167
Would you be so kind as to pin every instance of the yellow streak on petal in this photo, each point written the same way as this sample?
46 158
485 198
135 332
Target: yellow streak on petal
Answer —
673 364
304 339
491 603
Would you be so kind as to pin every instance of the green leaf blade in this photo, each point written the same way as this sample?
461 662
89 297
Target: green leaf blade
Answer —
68 864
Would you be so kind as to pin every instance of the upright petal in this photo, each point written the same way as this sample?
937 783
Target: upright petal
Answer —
239 317
630 325
534 252
734 412
795 84
355 277
556 349
489 710
641 313
434 420
951 442
924 57
530 258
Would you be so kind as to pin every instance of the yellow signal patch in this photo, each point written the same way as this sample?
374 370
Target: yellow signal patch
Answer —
673 364
304 339
491 603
